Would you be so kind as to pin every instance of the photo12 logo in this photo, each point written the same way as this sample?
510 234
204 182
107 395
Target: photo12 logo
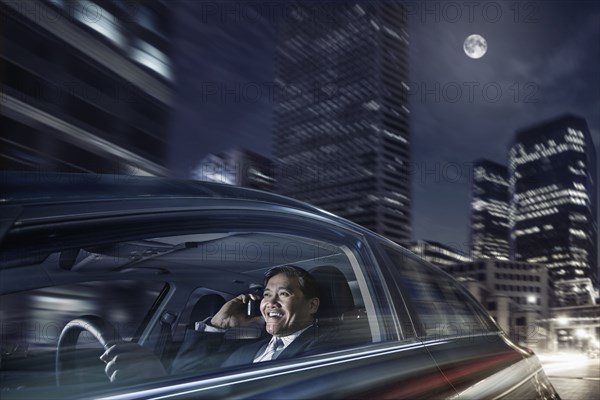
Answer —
474 92
472 11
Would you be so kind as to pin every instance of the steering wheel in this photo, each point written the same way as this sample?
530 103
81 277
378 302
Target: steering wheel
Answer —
102 330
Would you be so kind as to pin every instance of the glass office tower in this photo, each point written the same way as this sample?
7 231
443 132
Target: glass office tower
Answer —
490 211
553 186
86 85
341 133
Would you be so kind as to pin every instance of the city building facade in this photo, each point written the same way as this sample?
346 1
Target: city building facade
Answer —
437 253
553 202
490 211
240 167
87 85
341 124
516 294
526 284
575 328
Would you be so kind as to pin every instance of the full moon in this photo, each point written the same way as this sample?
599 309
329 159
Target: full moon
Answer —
475 46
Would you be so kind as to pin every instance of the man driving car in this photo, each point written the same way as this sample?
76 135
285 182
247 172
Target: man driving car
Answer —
288 306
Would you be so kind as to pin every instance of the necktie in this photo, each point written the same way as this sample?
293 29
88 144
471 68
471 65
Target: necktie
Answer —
272 351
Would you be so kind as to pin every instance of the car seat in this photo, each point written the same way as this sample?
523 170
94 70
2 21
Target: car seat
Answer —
337 307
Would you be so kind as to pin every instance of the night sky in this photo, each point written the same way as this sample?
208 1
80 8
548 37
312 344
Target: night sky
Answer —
543 60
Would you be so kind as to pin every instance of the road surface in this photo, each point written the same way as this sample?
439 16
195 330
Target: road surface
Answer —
573 375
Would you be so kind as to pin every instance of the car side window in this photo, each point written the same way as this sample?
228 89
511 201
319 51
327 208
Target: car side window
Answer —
211 267
440 306
32 321
189 275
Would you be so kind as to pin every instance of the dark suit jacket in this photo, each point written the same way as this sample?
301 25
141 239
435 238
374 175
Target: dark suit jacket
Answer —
203 350
309 342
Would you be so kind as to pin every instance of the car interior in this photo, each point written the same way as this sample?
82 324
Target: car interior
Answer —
153 291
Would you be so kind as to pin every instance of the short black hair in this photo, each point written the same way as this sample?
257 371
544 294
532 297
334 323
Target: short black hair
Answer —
308 283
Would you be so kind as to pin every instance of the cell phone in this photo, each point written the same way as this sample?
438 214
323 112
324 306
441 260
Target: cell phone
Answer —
253 309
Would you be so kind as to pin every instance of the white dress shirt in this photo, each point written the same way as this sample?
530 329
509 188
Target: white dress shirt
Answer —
265 354
269 352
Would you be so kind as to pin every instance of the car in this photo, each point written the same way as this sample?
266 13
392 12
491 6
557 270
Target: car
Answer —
89 260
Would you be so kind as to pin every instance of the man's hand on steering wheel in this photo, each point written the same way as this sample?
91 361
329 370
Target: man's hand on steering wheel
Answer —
127 361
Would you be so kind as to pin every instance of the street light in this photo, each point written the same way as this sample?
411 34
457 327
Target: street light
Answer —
562 320
531 299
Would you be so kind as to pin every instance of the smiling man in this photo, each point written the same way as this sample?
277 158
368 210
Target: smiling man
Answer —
288 306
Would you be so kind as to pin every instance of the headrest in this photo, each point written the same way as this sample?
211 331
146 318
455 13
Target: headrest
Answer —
335 294
206 306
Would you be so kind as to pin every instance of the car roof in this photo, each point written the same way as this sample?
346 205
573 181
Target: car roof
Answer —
63 193
44 193
46 187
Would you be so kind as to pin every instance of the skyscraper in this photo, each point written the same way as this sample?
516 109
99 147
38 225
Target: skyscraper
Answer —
86 85
490 209
553 206
341 135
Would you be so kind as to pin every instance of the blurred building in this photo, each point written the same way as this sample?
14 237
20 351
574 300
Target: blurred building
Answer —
526 284
86 85
553 206
514 293
575 328
490 211
238 167
341 132
437 253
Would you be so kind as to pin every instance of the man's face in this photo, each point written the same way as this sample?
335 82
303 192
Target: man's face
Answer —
284 306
